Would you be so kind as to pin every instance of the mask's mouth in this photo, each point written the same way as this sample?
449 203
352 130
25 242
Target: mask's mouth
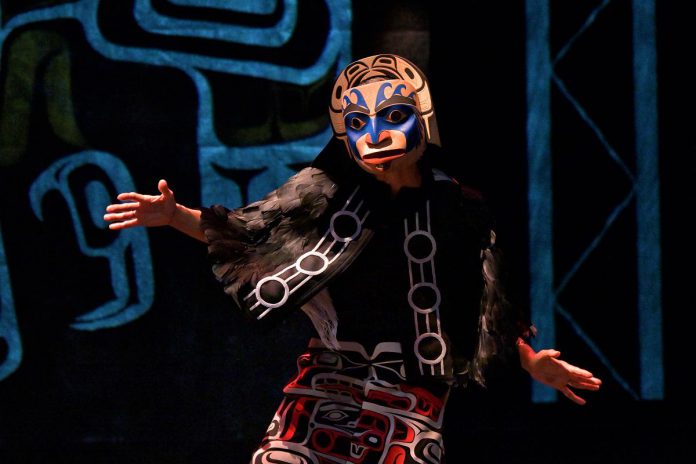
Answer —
382 157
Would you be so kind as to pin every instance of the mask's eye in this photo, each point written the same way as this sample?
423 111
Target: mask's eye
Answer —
396 116
356 123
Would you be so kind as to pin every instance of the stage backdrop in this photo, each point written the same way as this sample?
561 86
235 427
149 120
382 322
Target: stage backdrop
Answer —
120 346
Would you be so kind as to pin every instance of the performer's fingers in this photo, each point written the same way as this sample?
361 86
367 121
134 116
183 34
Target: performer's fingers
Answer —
581 372
550 353
119 216
116 207
133 196
164 189
588 380
583 379
584 385
123 224
572 396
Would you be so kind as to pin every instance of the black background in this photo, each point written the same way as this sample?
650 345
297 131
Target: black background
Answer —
191 381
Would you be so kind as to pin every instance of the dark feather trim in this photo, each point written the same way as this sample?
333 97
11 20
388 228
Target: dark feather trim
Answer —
248 243
500 322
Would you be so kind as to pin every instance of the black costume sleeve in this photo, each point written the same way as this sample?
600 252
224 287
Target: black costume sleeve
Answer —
501 322
255 241
279 252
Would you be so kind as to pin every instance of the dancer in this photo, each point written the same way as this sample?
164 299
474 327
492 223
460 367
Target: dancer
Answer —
394 262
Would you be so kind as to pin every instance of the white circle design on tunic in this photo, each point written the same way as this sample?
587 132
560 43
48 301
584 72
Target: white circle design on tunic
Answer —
440 341
431 252
324 263
436 303
265 280
354 217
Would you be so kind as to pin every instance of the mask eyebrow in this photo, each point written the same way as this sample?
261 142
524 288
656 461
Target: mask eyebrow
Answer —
395 100
353 108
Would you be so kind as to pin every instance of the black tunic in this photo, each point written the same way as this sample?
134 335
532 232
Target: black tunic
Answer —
416 307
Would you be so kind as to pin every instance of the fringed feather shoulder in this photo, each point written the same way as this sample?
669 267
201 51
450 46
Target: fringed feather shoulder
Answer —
279 251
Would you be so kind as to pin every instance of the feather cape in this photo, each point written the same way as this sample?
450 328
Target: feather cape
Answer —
249 244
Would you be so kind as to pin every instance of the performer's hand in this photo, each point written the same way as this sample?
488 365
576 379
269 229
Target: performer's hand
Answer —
142 210
545 367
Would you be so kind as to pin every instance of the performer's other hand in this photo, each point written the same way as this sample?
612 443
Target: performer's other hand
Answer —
142 210
545 367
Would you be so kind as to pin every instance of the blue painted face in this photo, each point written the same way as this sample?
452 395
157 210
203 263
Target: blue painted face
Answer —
382 121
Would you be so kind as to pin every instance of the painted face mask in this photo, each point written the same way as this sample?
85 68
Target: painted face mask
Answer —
382 122
381 108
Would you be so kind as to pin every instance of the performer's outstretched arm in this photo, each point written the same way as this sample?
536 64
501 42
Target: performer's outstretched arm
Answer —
545 367
153 211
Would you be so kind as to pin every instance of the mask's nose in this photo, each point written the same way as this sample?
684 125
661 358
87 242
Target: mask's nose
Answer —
372 132
377 140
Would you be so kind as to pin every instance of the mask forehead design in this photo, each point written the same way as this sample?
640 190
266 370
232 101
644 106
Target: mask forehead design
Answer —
371 98
391 67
